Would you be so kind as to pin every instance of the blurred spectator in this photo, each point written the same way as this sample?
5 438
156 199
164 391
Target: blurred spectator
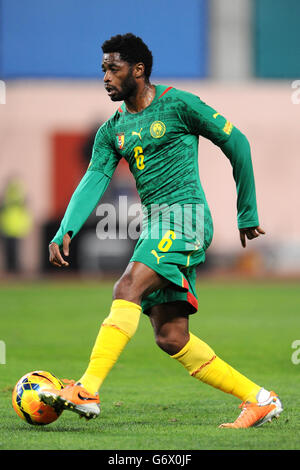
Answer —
15 223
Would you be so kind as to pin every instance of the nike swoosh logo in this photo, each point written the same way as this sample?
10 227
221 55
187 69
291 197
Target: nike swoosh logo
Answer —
85 398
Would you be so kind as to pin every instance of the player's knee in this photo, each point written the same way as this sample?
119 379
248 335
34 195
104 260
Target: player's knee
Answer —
171 344
126 289
121 286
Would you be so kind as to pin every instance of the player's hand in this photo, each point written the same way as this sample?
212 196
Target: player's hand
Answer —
55 256
250 233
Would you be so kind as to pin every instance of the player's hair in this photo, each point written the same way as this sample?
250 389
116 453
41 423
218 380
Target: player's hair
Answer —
132 49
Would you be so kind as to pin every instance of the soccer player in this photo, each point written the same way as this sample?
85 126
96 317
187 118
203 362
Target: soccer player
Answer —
156 129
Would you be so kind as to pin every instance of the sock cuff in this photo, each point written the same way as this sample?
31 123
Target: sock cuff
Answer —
120 303
195 355
183 350
193 340
124 316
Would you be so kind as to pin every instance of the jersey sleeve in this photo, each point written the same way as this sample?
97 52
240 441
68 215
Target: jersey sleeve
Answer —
83 201
104 156
237 150
91 188
201 119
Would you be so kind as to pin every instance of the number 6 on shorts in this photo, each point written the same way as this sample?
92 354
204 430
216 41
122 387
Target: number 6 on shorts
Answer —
167 240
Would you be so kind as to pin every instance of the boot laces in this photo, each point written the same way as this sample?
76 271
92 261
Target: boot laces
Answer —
245 406
69 383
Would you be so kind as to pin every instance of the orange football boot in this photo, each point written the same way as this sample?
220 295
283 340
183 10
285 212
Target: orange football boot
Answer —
73 397
256 414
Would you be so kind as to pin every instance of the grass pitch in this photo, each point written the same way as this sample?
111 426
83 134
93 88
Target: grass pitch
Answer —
149 401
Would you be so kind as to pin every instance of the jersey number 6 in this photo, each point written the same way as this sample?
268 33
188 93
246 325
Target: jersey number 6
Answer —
138 155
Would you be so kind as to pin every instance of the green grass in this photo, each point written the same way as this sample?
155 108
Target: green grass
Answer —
148 400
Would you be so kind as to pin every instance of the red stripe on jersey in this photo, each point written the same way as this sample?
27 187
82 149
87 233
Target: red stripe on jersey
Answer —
120 110
166 91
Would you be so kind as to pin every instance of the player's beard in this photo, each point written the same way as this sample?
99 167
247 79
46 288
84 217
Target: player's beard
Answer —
128 88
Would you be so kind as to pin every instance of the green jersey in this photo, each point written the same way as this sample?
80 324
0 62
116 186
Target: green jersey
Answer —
160 145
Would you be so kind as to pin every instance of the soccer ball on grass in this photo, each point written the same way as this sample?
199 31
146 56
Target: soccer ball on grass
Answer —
26 402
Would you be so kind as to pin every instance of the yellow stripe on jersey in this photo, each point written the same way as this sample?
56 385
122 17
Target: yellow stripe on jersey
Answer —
228 127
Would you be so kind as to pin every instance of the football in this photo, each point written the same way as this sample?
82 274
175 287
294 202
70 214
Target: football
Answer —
26 402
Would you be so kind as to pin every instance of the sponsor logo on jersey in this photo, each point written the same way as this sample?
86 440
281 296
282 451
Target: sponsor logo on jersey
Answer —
228 127
157 129
120 140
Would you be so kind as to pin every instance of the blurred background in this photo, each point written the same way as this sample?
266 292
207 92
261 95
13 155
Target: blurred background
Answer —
242 57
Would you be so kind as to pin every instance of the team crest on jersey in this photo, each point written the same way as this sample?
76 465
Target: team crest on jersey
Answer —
157 129
120 140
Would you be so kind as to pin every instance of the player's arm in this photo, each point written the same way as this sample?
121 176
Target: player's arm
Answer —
82 203
85 198
206 121
237 149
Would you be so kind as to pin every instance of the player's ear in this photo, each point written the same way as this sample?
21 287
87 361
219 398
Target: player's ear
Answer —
139 70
